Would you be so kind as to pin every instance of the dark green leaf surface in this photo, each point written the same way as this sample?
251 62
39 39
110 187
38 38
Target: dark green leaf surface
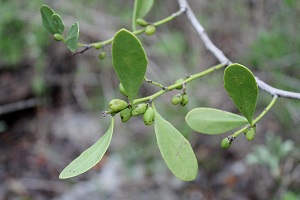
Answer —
141 8
213 121
242 88
175 149
89 157
72 39
47 19
59 25
130 61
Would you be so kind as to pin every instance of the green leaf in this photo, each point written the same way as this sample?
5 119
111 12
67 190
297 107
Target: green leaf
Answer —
241 86
213 121
47 19
72 39
141 8
175 149
90 157
59 25
130 61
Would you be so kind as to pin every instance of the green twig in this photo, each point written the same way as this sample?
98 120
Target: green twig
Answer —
99 45
257 118
186 81
154 83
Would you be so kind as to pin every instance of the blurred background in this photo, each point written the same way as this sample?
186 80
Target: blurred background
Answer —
51 102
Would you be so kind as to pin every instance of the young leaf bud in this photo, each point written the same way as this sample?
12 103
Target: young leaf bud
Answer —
125 114
250 133
177 99
148 116
122 90
102 55
150 30
225 143
58 37
185 99
139 109
142 22
116 105
179 81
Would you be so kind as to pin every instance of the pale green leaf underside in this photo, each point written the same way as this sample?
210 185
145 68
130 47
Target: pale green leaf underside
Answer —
242 88
213 121
72 38
175 150
129 61
141 8
90 157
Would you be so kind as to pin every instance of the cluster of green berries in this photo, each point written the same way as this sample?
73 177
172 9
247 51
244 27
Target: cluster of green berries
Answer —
126 111
181 98
150 29
249 133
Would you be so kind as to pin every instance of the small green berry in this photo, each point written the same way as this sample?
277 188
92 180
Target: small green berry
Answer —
122 90
179 81
177 99
148 116
250 133
139 109
142 22
185 99
102 55
150 30
58 37
98 45
225 143
116 105
125 114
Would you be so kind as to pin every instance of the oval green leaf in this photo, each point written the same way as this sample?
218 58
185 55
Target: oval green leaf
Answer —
59 25
129 61
175 149
72 38
141 8
90 157
242 88
47 20
213 121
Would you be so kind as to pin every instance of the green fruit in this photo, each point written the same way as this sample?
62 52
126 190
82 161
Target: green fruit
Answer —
139 109
102 55
179 81
142 22
250 133
225 143
116 105
122 90
148 116
177 99
150 30
58 37
185 99
98 45
125 114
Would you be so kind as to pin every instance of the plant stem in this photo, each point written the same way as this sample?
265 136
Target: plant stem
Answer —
195 76
210 46
172 87
266 109
154 83
259 116
99 45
